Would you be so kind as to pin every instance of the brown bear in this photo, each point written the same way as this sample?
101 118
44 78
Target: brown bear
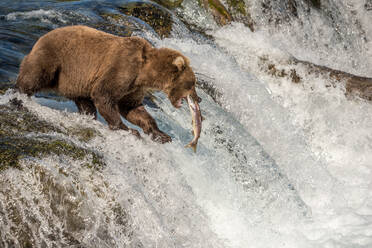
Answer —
111 73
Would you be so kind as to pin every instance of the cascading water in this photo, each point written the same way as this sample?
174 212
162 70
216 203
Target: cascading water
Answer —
279 164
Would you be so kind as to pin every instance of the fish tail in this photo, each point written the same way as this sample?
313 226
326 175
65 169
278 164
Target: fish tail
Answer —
192 145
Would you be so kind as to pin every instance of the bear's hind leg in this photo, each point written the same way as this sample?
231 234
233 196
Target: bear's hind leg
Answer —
86 106
35 74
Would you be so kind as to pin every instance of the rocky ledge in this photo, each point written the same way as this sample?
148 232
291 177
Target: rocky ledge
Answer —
23 135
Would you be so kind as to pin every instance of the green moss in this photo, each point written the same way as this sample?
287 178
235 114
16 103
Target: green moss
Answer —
82 133
169 3
12 149
215 4
238 6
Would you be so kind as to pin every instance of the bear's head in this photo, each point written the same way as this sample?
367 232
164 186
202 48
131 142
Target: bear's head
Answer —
174 75
183 83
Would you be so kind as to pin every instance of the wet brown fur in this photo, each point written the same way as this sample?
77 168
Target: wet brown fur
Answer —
106 72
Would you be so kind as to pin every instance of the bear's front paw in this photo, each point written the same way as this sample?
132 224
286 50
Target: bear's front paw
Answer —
161 137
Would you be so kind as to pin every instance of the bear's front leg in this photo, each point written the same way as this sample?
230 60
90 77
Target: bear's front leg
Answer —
140 117
110 112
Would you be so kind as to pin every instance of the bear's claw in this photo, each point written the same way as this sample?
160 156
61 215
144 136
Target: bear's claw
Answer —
161 137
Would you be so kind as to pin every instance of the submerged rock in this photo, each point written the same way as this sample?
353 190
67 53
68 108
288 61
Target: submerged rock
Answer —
354 85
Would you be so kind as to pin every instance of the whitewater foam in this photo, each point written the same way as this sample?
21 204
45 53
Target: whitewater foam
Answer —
41 14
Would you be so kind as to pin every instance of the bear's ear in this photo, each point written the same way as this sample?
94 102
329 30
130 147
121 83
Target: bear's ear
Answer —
179 62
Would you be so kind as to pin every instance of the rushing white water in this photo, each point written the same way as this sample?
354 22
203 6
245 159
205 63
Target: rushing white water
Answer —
278 164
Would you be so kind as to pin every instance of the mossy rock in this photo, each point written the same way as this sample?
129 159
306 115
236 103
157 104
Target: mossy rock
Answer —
4 86
220 13
169 3
14 148
23 135
84 134
17 120
239 12
155 16
124 29
235 10
237 5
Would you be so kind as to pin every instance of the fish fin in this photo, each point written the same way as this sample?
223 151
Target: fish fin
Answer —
193 146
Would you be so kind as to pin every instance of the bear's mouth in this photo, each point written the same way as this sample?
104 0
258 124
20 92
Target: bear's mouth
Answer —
179 102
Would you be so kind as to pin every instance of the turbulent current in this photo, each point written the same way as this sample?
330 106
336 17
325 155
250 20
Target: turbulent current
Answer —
284 158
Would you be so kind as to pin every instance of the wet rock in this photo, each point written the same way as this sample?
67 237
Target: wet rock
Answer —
4 86
23 135
235 10
368 5
239 12
206 84
278 12
360 86
314 3
294 76
160 19
59 211
354 85
84 134
116 24
218 10
169 3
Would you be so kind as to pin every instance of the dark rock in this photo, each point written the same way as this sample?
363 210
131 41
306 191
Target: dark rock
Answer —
4 86
368 5
354 85
169 3
160 19
294 76
314 3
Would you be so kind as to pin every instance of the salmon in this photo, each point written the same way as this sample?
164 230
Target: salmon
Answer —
196 122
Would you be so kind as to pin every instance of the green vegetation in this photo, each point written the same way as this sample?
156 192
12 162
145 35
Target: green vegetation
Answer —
238 6
169 3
